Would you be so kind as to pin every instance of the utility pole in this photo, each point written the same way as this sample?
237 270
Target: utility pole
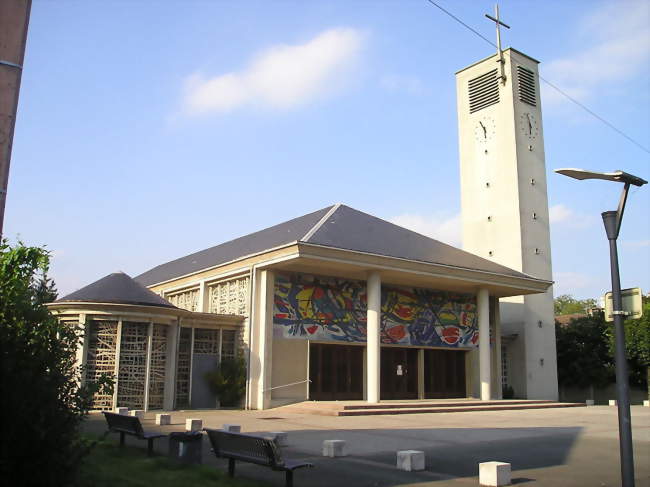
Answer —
14 19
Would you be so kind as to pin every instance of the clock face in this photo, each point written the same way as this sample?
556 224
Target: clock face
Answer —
528 126
484 130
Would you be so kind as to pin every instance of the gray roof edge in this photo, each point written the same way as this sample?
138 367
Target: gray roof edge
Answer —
321 222
521 275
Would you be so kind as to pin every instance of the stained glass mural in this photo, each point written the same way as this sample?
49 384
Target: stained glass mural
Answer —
332 309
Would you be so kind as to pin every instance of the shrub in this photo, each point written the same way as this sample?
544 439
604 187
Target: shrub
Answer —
228 381
41 401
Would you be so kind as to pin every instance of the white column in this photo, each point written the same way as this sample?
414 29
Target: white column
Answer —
483 308
264 340
497 348
373 338
204 295
82 348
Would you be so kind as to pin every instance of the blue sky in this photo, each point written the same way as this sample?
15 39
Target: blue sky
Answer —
148 130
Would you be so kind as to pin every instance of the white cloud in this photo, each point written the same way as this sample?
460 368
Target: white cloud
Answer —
561 214
619 38
281 77
570 282
446 228
402 83
636 243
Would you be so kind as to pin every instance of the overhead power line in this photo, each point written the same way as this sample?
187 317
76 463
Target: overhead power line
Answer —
555 87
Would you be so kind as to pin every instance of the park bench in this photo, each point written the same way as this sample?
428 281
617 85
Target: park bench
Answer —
130 425
252 449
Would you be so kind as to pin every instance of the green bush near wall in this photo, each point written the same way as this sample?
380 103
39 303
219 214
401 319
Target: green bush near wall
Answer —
228 381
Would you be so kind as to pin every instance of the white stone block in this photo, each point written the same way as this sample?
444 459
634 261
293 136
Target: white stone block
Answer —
334 448
138 413
122 411
612 402
494 474
281 438
646 404
232 428
193 424
590 402
163 419
410 460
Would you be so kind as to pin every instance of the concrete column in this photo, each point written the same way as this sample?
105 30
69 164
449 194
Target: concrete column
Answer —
373 336
483 308
421 373
204 297
263 347
497 349
116 375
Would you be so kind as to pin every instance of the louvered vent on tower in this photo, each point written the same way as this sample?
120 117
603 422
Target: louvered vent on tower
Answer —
483 91
526 83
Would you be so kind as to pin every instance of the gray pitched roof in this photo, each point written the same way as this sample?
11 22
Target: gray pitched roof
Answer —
117 288
344 228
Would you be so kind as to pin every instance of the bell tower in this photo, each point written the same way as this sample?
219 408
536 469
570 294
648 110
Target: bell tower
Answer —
505 206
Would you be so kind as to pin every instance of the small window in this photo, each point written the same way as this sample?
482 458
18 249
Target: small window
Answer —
534 216
537 251
532 181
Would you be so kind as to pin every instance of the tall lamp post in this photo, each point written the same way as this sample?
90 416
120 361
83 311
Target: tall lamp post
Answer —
612 221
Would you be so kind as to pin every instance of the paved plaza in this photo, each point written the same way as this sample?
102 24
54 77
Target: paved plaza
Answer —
553 447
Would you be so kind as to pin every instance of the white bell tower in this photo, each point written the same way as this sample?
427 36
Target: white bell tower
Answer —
505 205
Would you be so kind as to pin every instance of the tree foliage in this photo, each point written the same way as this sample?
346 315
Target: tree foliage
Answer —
637 346
566 304
41 401
583 354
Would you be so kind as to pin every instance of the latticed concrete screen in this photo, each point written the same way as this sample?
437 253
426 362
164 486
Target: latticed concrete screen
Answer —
157 366
133 365
183 366
102 344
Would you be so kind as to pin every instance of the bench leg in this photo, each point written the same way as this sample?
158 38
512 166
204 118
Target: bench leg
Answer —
121 439
231 467
150 446
289 479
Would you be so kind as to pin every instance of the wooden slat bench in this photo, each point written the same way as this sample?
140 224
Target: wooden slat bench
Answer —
252 449
130 425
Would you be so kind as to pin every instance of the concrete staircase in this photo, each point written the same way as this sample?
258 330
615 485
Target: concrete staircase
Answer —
361 408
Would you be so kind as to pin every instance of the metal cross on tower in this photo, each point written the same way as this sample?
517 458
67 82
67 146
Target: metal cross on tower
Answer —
499 51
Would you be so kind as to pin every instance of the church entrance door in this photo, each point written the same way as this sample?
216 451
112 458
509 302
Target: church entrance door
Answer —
336 372
399 373
444 374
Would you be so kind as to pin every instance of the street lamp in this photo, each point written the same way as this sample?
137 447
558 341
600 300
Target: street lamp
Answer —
612 221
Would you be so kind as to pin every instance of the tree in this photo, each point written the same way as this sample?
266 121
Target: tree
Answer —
228 380
42 403
566 304
637 346
583 355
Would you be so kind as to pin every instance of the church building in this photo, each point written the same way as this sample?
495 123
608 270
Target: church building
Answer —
340 305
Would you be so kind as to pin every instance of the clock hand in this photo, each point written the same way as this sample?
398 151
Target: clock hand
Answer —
530 125
484 130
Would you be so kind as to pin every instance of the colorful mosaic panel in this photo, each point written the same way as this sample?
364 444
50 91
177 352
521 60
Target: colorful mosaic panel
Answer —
330 309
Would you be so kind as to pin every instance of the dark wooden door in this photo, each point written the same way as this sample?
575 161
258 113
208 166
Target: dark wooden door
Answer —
444 374
336 372
399 373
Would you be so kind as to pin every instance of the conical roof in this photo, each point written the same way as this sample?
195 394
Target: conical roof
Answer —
337 226
117 288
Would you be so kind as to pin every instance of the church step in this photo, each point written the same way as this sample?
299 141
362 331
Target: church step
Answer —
441 404
450 409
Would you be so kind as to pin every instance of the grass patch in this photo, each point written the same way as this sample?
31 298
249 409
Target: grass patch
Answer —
108 465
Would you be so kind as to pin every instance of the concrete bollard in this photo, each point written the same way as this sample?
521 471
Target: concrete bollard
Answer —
612 402
494 474
138 413
231 428
163 419
334 448
281 438
193 424
122 411
646 404
410 460
590 402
